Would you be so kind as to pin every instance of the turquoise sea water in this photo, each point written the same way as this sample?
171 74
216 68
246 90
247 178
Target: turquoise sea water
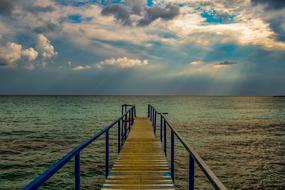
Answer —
241 138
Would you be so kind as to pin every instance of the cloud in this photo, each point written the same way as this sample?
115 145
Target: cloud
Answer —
81 68
6 7
119 63
205 68
246 30
226 63
30 54
45 47
12 53
123 63
166 13
40 9
47 26
271 4
136 11
120 13
136 6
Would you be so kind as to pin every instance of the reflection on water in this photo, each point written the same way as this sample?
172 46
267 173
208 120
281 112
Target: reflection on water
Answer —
241 138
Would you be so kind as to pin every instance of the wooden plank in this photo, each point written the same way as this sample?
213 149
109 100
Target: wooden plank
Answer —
141 163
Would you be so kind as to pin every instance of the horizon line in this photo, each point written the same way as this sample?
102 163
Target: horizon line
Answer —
189 95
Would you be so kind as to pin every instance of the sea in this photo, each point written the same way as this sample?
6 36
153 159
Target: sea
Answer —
242 139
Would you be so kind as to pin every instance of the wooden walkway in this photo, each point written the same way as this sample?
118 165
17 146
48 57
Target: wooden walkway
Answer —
141 163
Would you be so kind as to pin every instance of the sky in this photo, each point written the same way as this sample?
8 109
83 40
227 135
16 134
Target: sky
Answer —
142 47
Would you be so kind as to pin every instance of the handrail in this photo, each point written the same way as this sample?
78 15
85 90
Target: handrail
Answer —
124 124
193 155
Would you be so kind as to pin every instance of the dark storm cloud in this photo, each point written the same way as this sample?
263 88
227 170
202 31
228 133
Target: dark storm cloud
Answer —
6 7
226 63
153 13
28 6
271 4
2 62
39 9
120 13
123 14
48 27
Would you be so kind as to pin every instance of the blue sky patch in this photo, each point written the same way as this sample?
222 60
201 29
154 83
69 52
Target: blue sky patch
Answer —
77 18
183 4
150 3
213 17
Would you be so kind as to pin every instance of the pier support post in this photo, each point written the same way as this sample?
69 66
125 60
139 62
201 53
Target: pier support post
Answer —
161 126
107 155
172 154
119 136
125 127
191 173
164 137
122 132
77 171
154 127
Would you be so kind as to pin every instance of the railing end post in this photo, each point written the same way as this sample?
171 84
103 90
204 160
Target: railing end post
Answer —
107 155
77 171
191 172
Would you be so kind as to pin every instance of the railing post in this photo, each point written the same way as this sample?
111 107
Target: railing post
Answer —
172 154
125 127
164 136
154 127
107 154
133 115
191 173
122 132
148 110
119 136
161 125
77 171
152 116
129 121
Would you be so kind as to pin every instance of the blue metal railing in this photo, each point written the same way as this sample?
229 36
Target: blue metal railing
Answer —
123 123
193 155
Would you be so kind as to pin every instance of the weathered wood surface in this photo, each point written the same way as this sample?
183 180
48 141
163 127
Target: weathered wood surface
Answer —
141 163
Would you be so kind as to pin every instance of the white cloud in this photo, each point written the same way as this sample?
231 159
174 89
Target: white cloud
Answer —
45 47
250 28
210 69
12 53
122 63
119 63
197 63
247 30
30 54
81 68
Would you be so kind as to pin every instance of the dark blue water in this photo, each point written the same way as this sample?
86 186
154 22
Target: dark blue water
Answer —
241 138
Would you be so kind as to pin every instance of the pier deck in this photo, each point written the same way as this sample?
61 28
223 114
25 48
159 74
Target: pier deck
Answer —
141 163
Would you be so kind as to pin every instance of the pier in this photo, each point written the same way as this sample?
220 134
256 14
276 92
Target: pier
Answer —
141 163
142 155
